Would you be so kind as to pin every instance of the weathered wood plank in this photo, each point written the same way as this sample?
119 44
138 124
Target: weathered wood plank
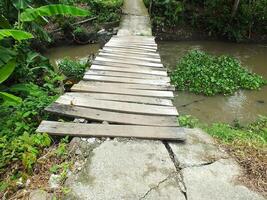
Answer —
131 37
103 130
111 116
119 97
129 70
149 41
128 65
119 106
126 74
127 86
114 90
121 56
136 52
129 61
133 44
132 48
125 80
138 43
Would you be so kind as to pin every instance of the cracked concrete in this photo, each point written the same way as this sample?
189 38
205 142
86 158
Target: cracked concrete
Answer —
126 169
207 172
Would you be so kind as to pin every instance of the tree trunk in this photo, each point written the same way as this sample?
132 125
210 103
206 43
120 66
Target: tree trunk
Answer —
235 7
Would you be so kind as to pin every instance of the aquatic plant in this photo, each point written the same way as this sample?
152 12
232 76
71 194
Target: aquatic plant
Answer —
202 73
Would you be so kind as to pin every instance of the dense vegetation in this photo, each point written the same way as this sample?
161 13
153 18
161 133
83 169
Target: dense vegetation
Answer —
232 19
72 69
203 73
28 83
246 143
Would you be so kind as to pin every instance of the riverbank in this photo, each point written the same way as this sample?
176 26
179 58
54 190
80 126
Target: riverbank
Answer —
209 20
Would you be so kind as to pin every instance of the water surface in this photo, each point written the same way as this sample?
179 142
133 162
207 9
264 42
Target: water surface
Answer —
244 105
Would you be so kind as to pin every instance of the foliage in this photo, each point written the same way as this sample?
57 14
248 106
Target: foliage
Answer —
165 13
215 17
72 69
254 134
50 10
16 34
106 10
188 121
18 123
202 73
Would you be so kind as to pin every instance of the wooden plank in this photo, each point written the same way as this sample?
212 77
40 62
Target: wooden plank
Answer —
119 97
128 65
114 90
136 52
119 106
132 48
125 80
139 43
129 70
128 61
111 117
126 74
150 41
127 86
133 44
132 37
121 56
104 130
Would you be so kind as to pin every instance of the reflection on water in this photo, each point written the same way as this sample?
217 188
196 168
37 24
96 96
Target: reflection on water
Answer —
243 105
80 52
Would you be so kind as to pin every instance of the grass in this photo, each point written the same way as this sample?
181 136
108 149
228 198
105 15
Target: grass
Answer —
247 144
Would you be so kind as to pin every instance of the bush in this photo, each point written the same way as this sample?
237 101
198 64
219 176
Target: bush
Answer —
202 73
72 69
212 16
106 10
18 141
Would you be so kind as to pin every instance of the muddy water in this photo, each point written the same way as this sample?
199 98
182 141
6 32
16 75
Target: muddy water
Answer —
80 52
243 105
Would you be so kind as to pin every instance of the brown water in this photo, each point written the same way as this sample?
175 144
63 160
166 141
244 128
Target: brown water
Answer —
244 105
80 52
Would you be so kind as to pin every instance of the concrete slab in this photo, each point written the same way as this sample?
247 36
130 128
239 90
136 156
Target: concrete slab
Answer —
216 182
199 149
129 169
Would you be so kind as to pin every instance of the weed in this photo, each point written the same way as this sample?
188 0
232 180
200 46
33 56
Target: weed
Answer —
72 69
201 73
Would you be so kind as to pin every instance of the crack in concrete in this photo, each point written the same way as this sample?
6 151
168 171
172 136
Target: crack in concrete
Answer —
180 180
155 187
205 164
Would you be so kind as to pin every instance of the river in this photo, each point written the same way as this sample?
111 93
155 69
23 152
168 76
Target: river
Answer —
243 106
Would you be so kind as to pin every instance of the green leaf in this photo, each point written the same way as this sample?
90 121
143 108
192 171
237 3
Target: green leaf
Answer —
6 70
50 10
4 22
6 55
20 4
10 99
16 34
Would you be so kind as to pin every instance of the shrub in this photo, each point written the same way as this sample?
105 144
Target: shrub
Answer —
18 141
202 73
72 69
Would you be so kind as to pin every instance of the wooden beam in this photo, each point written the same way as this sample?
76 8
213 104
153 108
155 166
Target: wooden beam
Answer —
103 130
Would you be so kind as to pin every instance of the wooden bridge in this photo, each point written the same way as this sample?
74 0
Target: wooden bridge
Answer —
126 87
